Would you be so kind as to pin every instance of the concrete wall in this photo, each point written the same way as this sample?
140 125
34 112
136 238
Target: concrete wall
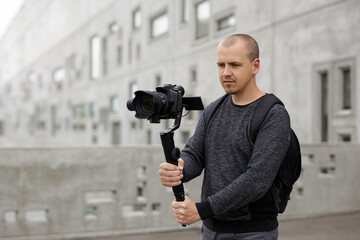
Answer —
48 193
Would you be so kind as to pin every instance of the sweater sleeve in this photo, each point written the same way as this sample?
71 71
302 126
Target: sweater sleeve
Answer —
193 153
268 152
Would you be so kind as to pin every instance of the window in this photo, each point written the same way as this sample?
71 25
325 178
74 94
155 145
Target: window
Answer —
92 109
1 128
114 104
136 19
113 28
324 106
40 215
141 191
116 133
130 51
334 94
202 11
148 137
155 207
157 80
225 22
11 216
138 52
95 53
79 110
159 25
104 56
185 11
346 86
59 77
119 58
193 75
132 89
345 137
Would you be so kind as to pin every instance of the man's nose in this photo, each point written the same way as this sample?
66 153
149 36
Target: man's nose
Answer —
226 71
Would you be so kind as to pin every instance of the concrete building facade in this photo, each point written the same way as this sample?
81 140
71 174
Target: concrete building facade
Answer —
68 67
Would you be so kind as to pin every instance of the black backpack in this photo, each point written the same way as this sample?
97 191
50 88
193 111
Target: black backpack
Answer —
290 168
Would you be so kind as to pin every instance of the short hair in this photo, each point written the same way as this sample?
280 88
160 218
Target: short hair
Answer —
252 48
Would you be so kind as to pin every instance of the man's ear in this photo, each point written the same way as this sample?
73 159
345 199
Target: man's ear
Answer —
256 66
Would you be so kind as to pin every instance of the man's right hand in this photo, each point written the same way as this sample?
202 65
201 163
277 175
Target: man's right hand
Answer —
170 174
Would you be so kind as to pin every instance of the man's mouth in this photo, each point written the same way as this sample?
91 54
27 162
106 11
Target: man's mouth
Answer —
228 81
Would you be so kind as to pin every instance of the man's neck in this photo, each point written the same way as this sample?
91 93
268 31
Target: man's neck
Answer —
244 99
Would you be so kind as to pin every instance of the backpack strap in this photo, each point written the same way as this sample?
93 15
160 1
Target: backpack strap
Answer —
266 103
217 103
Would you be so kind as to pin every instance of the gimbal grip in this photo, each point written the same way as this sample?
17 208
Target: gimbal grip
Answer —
172 155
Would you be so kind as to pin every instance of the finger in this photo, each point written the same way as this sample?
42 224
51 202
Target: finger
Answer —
167 173
180 164
171 184
171 178
168 166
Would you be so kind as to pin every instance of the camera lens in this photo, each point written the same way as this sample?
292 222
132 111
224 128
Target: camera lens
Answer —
147 104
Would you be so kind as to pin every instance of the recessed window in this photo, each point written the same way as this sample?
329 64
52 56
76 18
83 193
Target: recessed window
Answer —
105 56
225 22
79 110
141 172
185 11
346 80
114 104
95 53
159 25
138 52
119 56
193 75
155 207
130 51
92 109
136 17
202 11
148 137
114 27
11 216
40 215
59 77
345 138
1 128
324 106
158 80
132 89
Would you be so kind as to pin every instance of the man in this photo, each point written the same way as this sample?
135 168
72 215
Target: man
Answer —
237 172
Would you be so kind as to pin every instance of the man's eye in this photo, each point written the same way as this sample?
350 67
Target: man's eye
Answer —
220 65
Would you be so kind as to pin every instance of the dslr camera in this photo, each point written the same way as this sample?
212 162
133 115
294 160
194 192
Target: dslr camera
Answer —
167 102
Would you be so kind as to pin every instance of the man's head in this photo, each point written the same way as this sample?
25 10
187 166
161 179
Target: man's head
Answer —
252 48
238 63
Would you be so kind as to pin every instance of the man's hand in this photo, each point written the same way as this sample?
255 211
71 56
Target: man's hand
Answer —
170 174
185 212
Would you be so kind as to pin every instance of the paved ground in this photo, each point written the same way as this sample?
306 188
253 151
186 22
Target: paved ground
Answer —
338 227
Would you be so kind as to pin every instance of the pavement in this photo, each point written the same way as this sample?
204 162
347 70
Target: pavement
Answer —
335 227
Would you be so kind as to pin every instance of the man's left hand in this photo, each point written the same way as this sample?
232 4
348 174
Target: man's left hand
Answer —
185 212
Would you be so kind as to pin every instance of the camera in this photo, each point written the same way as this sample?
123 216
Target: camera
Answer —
167 102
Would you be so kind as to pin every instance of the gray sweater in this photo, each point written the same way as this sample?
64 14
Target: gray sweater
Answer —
236 171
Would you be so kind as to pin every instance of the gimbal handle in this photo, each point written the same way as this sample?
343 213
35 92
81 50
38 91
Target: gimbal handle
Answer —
172 155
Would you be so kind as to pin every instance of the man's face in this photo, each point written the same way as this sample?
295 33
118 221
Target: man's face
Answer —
236 72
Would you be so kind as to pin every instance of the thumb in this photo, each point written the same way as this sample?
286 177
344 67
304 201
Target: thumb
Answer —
180 164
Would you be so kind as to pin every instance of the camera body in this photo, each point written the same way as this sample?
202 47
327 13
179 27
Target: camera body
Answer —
167 102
